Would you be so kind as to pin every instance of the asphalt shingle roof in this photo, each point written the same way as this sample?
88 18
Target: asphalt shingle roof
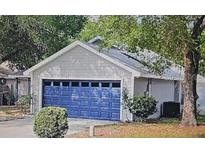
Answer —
135 61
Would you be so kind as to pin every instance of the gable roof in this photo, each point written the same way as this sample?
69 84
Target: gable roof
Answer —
84 45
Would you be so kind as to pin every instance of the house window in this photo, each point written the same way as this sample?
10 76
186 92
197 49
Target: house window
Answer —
116 85
105 84
84 84
75 84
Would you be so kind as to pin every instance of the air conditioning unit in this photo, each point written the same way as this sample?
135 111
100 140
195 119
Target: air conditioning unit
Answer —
170 109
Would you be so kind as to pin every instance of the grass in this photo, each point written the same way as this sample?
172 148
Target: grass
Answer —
201 120
164 128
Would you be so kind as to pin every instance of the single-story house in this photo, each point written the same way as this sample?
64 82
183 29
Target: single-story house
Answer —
90 83
16 85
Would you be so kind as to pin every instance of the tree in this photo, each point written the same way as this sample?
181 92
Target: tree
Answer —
26 40
16 44
177 38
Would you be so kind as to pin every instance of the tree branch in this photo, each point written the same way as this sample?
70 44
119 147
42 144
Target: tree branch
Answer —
198 27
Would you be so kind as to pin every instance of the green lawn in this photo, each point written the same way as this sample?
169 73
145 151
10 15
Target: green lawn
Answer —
201 120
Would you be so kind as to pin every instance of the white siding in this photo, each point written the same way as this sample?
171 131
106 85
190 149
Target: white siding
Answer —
161 90
79 63
201 100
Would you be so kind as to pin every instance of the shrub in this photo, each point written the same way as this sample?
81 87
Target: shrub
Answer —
51 122
24 102
141 106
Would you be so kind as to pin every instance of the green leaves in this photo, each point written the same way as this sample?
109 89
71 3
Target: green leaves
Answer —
142 106
165 35
26 40
51 122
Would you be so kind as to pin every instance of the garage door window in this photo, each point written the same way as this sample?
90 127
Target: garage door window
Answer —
94 84
47 83
107 84
115 85
56 83
65 84
84 84
75 84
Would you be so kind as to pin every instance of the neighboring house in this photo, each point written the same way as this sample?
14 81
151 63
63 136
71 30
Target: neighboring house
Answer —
16 85
90 83
201 94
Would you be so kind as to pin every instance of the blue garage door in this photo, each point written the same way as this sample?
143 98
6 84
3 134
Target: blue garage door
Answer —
84 99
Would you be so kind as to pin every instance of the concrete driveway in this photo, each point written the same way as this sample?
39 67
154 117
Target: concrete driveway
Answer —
23 128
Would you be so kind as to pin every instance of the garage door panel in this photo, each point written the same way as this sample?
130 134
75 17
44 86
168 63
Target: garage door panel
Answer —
116 105
94 113
75 98
94 104
84 93
105 93
84 103
48 90
73 112
105 114
115 115
74 103
74 92
115 95
95 93
85 99
104 104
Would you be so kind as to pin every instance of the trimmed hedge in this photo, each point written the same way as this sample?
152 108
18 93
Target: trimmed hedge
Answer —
142 106
51 122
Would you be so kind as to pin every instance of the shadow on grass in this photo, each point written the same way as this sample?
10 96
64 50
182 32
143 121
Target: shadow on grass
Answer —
200 119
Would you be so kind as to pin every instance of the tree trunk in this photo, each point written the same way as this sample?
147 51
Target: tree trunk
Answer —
191 66
189 88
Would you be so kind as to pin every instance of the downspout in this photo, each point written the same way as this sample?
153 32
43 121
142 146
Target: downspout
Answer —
17 89
29 86
148 87
31 93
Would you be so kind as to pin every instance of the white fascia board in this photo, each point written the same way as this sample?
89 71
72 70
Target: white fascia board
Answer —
71 46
